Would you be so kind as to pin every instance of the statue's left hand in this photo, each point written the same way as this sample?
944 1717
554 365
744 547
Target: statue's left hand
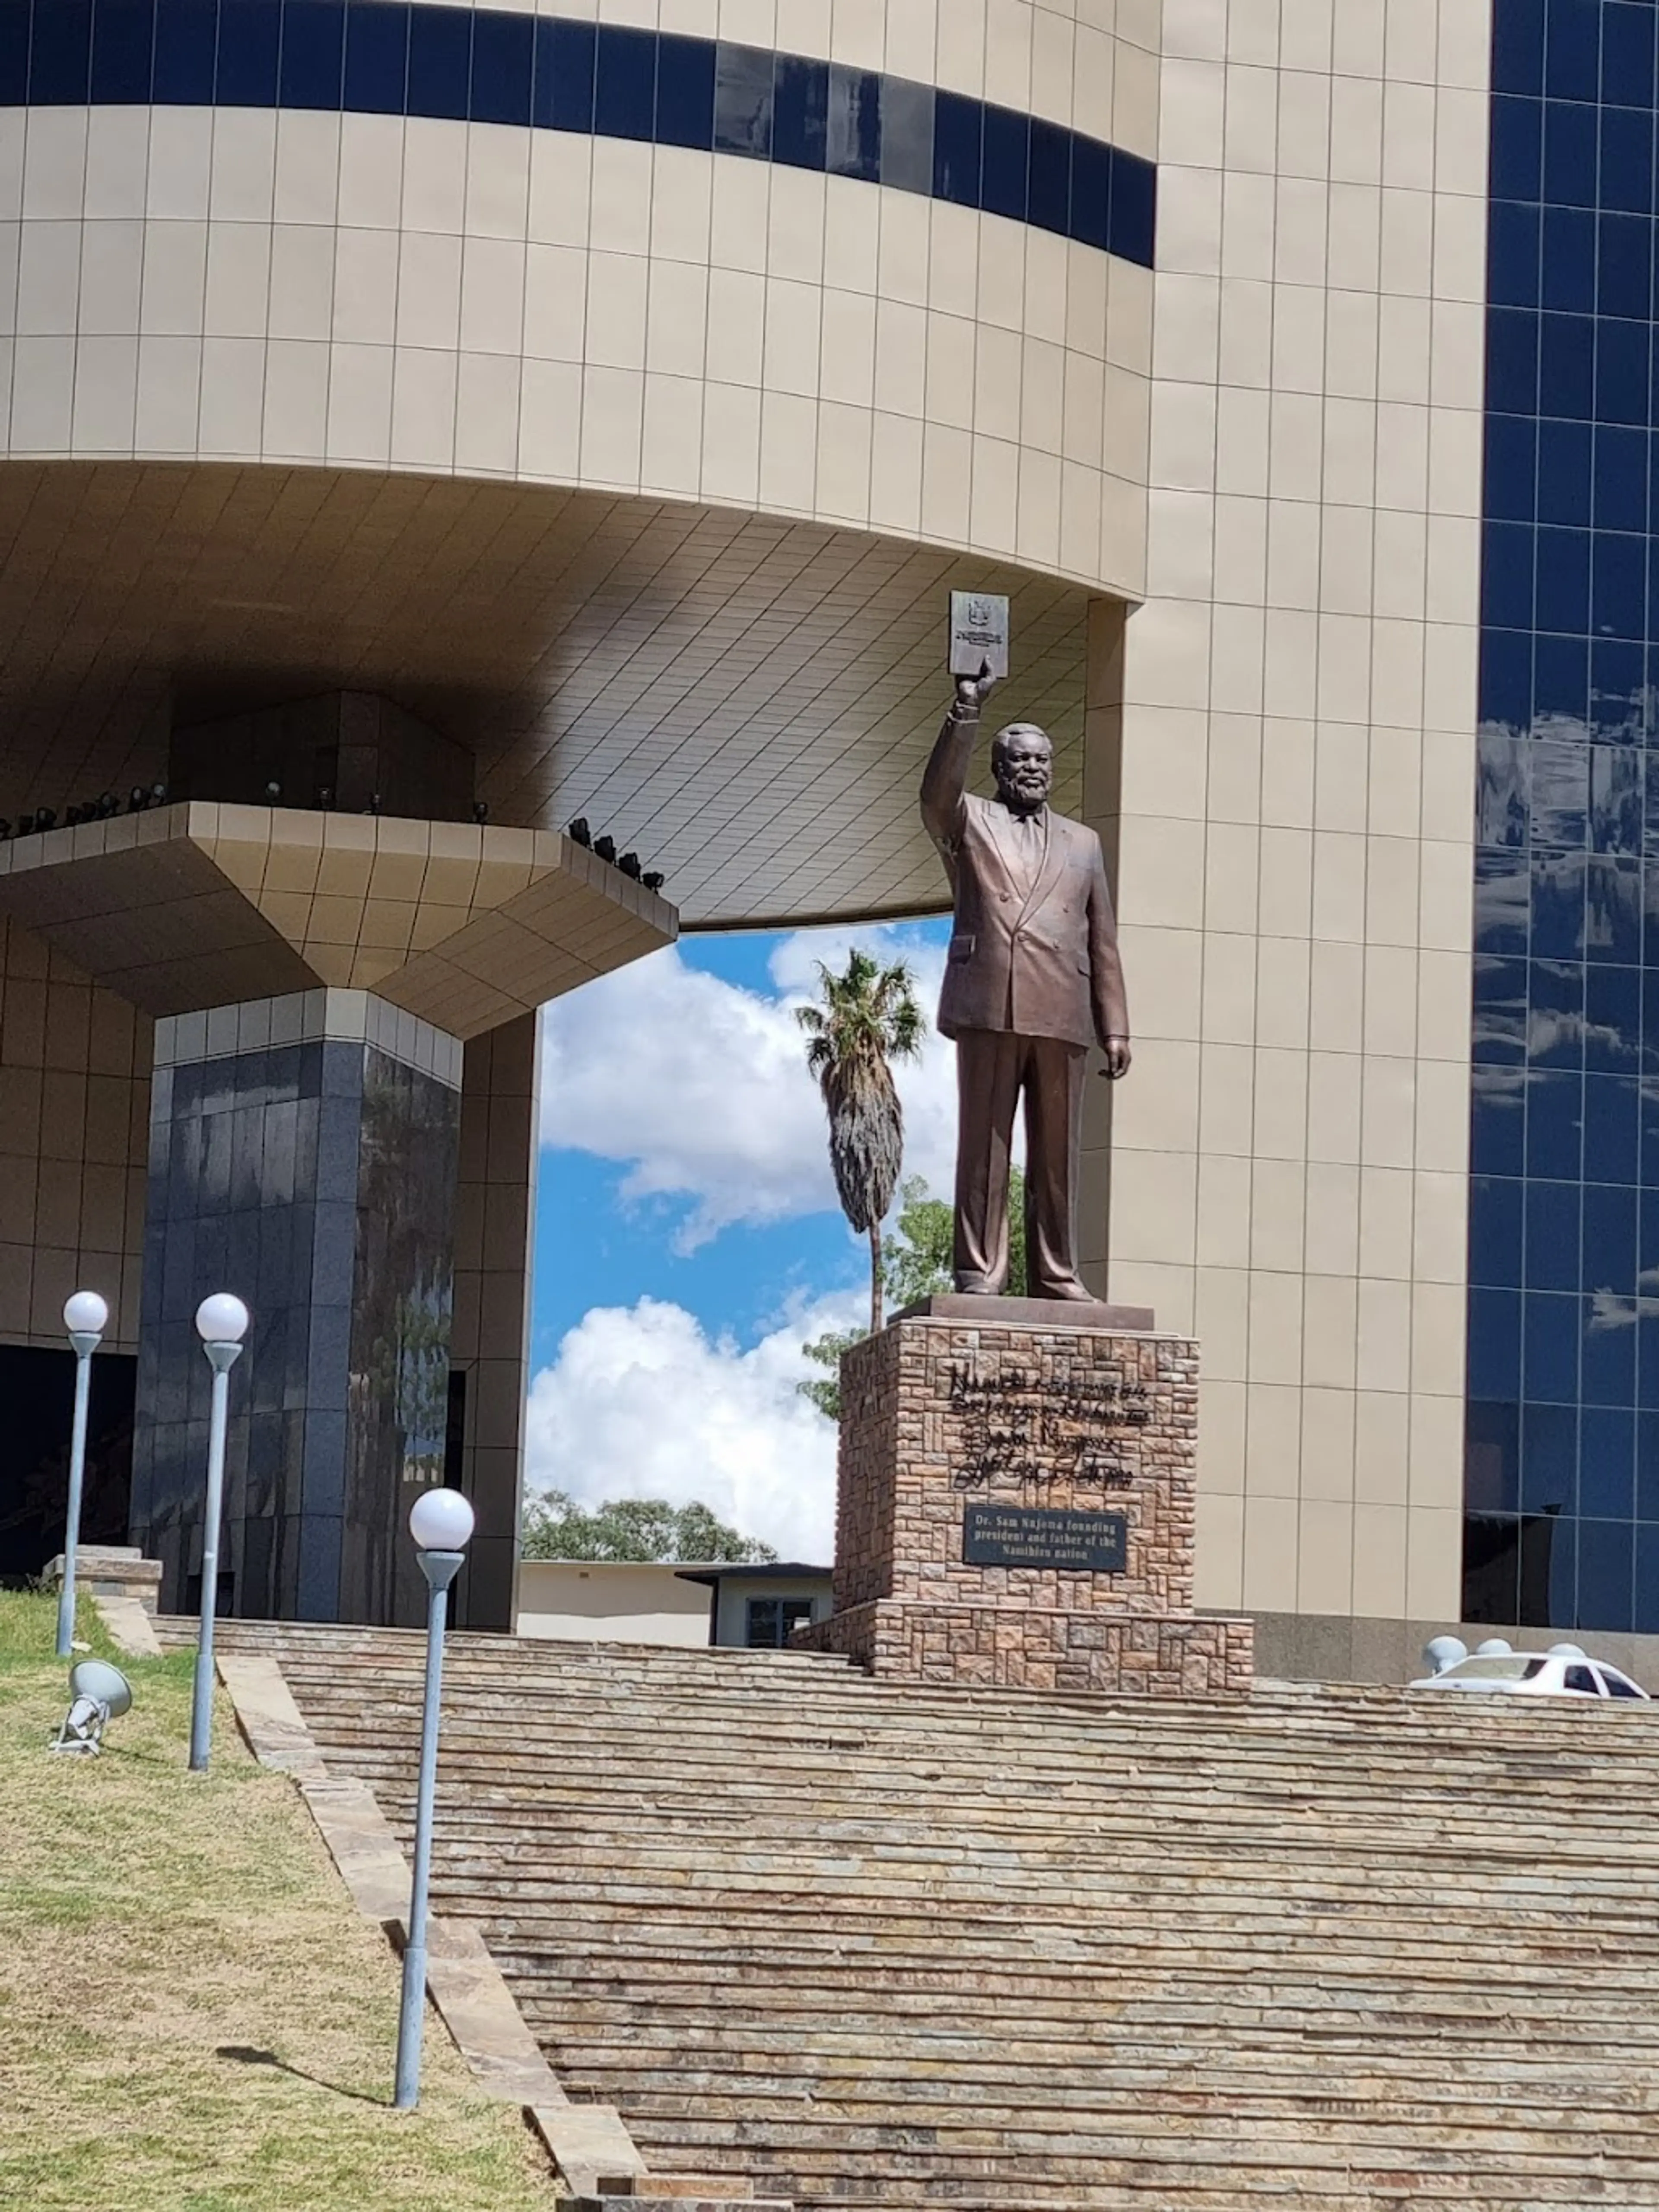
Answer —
1117 1052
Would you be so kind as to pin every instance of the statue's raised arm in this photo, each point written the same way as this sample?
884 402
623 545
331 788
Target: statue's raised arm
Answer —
945 780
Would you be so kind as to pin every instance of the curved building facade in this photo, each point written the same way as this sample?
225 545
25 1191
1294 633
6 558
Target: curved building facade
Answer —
409 410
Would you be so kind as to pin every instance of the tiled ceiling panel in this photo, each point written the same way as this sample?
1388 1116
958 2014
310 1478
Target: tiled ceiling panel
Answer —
746 701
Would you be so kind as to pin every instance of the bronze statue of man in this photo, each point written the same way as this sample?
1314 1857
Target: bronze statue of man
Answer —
1032 979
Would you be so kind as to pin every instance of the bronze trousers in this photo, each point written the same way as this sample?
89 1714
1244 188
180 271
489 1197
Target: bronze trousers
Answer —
994 1070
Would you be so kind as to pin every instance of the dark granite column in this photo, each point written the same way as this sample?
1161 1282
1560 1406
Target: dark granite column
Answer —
303 1154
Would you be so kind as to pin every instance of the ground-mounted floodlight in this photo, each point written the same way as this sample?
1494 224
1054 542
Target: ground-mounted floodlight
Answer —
1441 1652
85 1317
99 1693
440 1521
221 1324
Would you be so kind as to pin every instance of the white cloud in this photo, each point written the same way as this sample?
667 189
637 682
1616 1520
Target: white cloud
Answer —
700 1088
641 1402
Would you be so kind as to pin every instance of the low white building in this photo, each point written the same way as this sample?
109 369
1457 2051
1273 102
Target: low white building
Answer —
631 1601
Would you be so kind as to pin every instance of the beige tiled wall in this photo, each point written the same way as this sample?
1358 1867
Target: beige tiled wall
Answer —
433 295
1296 710
74 1144
495 1224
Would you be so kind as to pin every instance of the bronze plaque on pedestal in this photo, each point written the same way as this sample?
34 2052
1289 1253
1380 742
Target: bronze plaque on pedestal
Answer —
1043 1536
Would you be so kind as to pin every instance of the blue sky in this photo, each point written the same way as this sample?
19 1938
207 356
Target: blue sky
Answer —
687 1233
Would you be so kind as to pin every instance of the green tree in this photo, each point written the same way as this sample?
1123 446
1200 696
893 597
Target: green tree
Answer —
645 1528
916 1262
868 1018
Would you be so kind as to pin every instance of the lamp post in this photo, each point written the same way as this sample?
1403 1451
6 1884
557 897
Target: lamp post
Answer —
84 1317
221 1324
440 1521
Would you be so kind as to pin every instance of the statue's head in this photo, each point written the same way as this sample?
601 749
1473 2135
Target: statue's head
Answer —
1022 763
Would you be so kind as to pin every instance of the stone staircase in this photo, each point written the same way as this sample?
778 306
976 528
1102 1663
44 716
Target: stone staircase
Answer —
856 1945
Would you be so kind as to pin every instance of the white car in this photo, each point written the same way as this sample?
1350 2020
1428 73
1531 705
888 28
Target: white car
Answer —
1562 1672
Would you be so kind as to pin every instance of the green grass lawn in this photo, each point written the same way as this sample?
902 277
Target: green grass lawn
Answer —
192 2016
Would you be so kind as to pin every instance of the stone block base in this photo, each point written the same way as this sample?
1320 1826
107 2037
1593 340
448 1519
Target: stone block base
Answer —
111 1570
1006 1647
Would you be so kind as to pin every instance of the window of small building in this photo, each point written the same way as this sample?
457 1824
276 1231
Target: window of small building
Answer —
773 1620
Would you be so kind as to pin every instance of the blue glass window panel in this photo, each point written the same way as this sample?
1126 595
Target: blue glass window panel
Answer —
1611 1126
1517 46
1501 898
14 53
440 61
1645 1616
800 98
1549 1355
1008 162
1491 1456
1621 372
122 36
1569 134
1624 267
907 137
1609 1239
1558 905
1549 1570
1495 1248
959 149
504 66
1499 1033
1618 585
1134 216
1508 561
1572 49
686 92
376 59
1566 364
1612 996
1560 683
1498 1123
1627 55
1567 275
1511 356
1506 677
60 53
743 101
1648 1239
1555 1106
624 82
1627 158
1621 478
1562 589
250 53
1617 690
1606 1355
1494 1369
566 65
1555 1013
187 34
1616 782
1511 468
1560 796
1091 192
854 124
1565 452
1049 192
1517 149
314 54
1502 787
1647 1351
1647 1488
1607 1575
1553 1236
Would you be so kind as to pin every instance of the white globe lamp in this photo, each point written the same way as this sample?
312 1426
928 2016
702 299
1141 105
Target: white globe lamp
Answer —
222 1319
86 1314
440 1521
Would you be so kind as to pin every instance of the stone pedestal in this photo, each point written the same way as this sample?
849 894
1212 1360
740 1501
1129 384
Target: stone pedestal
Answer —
1016 1498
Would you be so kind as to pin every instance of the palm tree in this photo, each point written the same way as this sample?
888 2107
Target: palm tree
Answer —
868 1018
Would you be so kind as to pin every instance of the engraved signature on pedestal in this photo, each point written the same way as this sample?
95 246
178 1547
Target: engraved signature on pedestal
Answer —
1017 1427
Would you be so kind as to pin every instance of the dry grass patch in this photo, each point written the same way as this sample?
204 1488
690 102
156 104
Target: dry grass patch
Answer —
192 2016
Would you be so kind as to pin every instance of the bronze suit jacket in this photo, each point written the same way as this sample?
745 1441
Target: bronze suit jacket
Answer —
1041 960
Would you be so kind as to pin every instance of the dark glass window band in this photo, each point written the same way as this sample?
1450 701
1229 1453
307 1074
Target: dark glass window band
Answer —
480 65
